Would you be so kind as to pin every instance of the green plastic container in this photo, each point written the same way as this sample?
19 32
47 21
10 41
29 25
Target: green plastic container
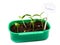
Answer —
28 36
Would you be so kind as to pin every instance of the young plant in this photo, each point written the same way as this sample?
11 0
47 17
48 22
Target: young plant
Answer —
32 20
17 25
22 20
40 17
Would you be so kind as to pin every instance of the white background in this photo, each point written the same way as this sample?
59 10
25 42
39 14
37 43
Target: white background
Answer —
11 9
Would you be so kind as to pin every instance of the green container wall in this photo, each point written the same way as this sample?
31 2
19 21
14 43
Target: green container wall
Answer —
28 36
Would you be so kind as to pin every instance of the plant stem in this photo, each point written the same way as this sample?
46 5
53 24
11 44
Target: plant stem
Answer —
32 24
32 21
23 17
22 20
24 23
17 25
45 24
41 22
40 17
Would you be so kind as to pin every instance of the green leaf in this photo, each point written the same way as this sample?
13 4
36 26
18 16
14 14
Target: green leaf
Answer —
17 24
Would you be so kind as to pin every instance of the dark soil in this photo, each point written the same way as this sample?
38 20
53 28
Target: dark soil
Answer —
38 26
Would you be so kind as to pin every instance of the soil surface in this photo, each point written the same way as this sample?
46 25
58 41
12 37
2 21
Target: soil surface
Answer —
38 26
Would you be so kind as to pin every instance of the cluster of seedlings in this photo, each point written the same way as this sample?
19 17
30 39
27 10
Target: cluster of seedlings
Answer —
33 25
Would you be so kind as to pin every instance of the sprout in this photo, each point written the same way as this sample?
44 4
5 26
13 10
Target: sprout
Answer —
40 17
17 25
32 20
22 20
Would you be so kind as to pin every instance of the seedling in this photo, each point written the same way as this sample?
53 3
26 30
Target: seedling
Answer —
41 19
32 20
36 25
17 25
22 20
